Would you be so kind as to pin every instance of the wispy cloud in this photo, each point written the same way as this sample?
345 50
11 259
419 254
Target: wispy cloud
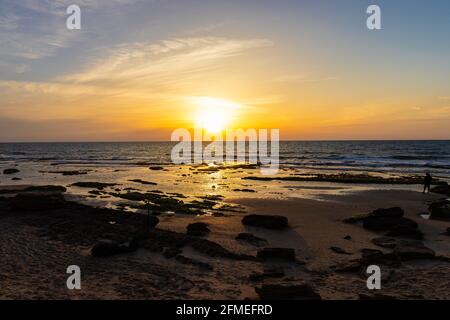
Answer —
166 61
295 77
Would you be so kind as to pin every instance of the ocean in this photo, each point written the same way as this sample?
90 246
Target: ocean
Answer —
411 157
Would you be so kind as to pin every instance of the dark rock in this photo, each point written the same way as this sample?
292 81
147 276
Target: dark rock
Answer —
394 212
248 237
171 252
266 221
185 260
197 229
350 266
440 209
156 168
270 273
287 292
143 182
385 242
276 253
339 250
10 171
447 232
372 256
37 201
348 238
107 248
46 189
413 250
214 249
94 185
441 188
16 179
406 228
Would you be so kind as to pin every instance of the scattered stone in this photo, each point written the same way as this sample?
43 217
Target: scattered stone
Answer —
348 238
107 248
413 250
156 168
287 292
197 229
442 188
349 266
266 221
373 256
94 185
171 252
10 171
276 253
16 179
185 260
244 190
143 182
37 201
447 232
440 209
71 173
389 220
46 189
339 250
270 273
385 242
248 237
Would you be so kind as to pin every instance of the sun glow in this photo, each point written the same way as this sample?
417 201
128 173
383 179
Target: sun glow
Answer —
214 114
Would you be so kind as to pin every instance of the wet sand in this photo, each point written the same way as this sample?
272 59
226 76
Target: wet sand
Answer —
34 263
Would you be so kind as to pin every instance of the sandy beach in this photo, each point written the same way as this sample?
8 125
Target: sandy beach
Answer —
170 263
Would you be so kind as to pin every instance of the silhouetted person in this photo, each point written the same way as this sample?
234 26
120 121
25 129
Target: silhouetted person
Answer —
427 183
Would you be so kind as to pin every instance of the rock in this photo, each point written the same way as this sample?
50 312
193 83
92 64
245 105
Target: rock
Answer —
156 168
107 248
406 228
270 273
413 250
37 201
440 209
46 189
185 260
373 256
10 171
395 212
197 229
16 179
385 242
287 292
348 238
441 188
447 232
276 253
94 185
349 266
339 250
248 237
266 221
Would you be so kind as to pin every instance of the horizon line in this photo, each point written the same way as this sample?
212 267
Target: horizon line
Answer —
160 141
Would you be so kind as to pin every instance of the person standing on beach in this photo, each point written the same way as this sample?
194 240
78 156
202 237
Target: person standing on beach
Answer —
427 182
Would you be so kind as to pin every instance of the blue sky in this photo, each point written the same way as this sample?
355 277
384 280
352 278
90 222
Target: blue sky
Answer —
316 59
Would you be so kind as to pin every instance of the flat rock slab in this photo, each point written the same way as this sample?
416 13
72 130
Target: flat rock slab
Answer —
266 221
276 253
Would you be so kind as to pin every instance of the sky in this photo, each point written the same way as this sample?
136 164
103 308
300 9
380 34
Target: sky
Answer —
138 69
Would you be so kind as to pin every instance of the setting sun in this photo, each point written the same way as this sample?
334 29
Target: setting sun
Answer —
214 114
